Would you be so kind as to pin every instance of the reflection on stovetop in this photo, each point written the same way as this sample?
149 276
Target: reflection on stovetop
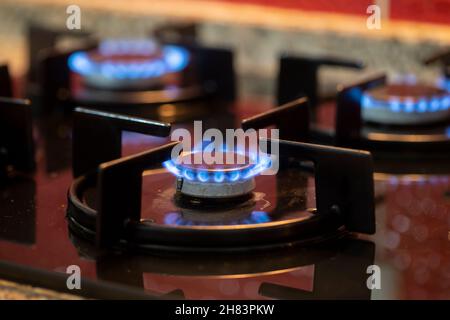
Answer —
415 238
332 271
411 242
17 209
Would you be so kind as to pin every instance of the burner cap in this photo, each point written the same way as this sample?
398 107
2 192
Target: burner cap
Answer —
229 179
195 188
405 104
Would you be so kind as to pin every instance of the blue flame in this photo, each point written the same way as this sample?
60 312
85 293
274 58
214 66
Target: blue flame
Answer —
202 176
257 165
260 217
234 176
219 176
418 180
188 174
174 59
408 105
366 101
422 105
445 103
395 105
444 83
169 165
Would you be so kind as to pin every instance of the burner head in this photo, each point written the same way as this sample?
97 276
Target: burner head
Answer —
405 104
233 177
128 63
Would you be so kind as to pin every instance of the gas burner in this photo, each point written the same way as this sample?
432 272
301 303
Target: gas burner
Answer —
112 204
217 181
405 104
128 63
127 74
408 122
16 130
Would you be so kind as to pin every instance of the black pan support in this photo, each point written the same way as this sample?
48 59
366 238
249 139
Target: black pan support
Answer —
97 136
180 33
216 71
444 58
5 82
16 135
344 181
42 39
215 66
348 123
119 192
53 74
298 76
292 120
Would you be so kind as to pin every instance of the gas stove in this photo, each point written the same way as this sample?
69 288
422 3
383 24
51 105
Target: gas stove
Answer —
90 180
403 122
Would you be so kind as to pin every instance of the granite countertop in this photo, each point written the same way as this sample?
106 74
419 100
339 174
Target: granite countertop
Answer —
13 291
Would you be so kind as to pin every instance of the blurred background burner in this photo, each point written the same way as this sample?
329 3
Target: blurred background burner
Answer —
130 64
217 181
405 104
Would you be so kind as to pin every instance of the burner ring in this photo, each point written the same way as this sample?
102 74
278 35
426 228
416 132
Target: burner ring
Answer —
419 146
405 104
147 236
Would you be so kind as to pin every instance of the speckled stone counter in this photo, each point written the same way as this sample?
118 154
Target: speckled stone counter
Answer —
14 291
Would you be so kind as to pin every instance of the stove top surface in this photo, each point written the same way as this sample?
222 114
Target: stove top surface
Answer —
411 245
